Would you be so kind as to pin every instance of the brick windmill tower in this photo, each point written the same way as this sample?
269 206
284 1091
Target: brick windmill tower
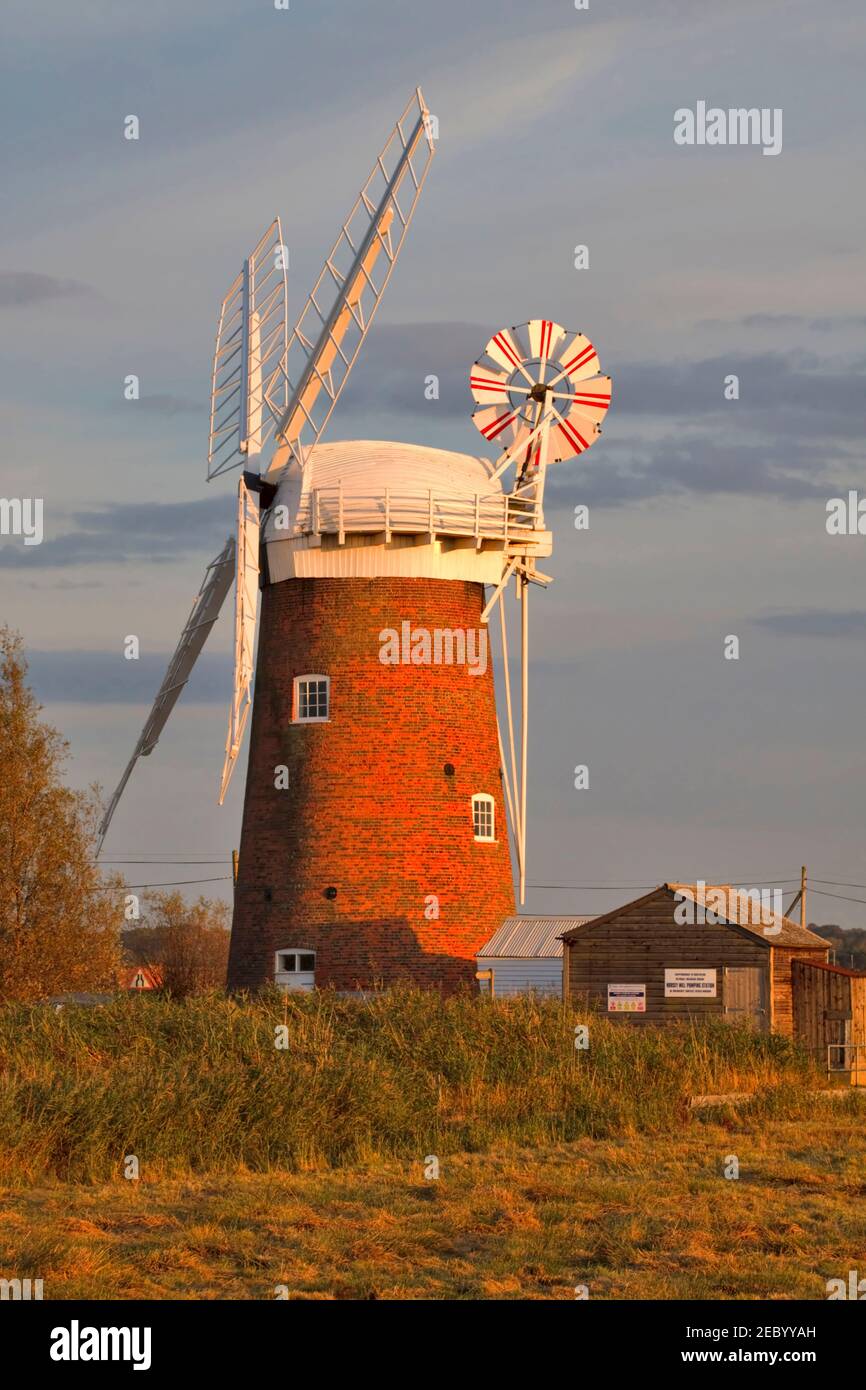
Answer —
374 845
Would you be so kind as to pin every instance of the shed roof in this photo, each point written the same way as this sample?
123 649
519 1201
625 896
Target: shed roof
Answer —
530 937
733 907
741 910
834 969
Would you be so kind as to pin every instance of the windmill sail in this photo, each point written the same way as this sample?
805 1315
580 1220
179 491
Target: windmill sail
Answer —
246 606
329 333
204 613
250 343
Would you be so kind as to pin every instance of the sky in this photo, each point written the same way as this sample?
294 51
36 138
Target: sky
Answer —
707 515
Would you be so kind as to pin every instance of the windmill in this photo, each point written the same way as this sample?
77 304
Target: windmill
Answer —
372 845
540 388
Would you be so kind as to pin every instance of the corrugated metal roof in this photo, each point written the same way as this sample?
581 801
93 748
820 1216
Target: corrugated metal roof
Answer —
745 911
527 937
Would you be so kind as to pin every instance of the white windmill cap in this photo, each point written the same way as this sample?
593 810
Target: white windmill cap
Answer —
368 466
392 499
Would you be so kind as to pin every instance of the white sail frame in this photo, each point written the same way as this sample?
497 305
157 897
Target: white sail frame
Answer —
204 613
246 610
252 335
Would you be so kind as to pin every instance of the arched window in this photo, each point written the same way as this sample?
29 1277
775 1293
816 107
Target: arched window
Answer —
311 700
483 817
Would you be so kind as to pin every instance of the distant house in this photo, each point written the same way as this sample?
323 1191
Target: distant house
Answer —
525 956
136 977
689 951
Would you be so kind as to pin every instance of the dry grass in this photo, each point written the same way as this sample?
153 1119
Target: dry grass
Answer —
638 1216
199 1087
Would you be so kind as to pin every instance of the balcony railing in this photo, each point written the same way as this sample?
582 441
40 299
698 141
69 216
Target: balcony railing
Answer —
494 516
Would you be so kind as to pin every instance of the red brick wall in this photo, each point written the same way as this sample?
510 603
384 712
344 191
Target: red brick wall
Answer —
369 809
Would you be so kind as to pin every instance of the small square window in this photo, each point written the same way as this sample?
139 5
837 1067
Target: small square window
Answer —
311 699
307 962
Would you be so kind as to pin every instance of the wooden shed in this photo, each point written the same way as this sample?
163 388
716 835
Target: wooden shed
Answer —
830 1016
689 951
524 956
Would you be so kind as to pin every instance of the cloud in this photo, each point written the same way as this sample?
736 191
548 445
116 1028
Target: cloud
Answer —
787 403
786 394
398 357
130 532
815 623
816 396
21 288
825 324
106 677
678 466
162 404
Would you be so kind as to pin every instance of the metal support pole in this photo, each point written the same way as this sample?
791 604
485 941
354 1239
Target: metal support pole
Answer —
524 725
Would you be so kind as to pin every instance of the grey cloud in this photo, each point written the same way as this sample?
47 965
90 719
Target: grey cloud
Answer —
130 531
20 288
815 623
106 677
816 398
826 324
789 394
397 358
165 404
697 463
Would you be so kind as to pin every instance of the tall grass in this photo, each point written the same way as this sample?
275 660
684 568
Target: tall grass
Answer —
201 1086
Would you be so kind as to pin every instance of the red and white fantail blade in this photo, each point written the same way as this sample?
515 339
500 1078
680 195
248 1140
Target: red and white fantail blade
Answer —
546 339
578 360
505 352
489 387
501 424
571 434
590 400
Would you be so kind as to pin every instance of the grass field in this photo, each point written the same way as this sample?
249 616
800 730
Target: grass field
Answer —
210 1085
302 1166
637 1217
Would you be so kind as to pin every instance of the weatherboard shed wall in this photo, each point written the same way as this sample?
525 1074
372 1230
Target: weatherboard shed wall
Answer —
637 943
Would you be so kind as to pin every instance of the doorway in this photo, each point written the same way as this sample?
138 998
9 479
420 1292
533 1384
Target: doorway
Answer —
746 995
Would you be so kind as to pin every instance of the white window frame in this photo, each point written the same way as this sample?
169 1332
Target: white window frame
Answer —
488 800
296 699
297 952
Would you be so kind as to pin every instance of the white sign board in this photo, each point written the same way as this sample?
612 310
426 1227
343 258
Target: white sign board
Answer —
626 999
690 984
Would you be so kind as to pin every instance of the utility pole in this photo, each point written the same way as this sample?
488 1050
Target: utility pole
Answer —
799 898
235 866
803 896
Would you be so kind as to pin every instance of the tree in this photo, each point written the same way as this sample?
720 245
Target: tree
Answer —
59 918
190 942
